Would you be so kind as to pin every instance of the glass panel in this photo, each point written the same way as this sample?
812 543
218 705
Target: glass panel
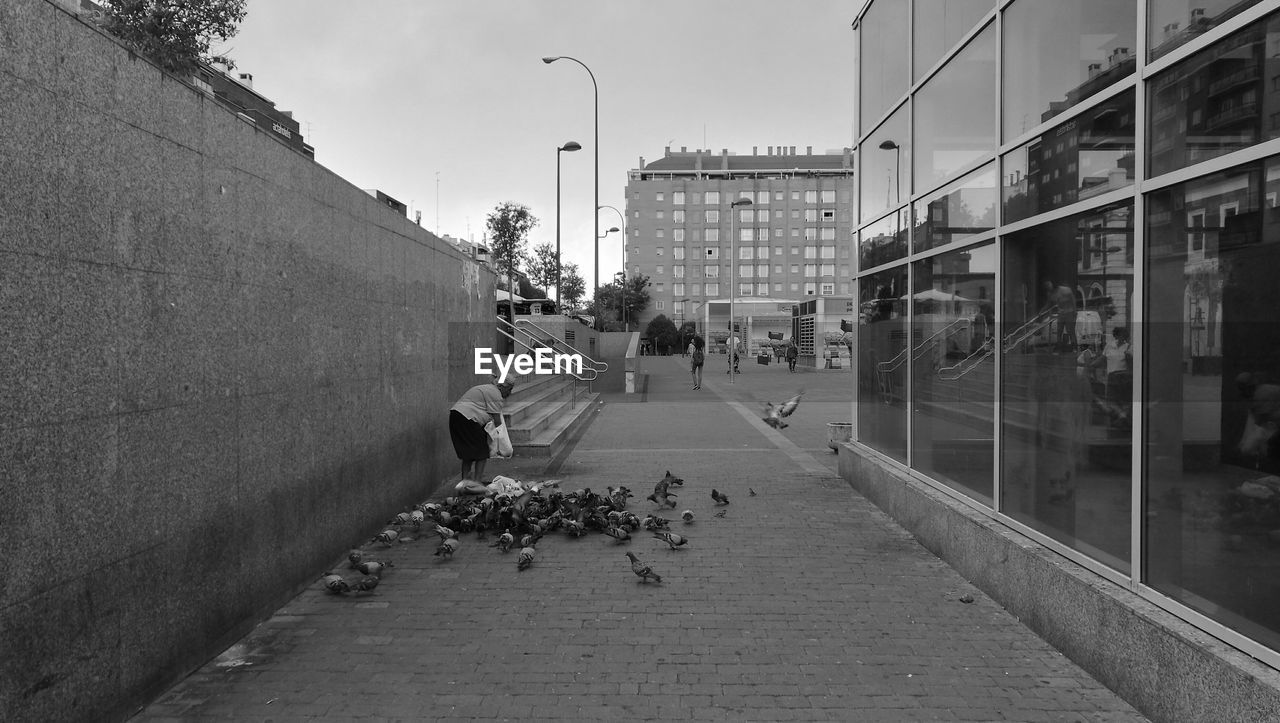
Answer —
1066 382
884 52
965 208
939 25
883 241
1087 156
955 123
953 369
1057 53
1171 23
885 167
882 367
1212 492
1217 101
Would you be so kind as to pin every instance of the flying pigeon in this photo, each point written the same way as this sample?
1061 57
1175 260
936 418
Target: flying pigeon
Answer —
775 413
643 571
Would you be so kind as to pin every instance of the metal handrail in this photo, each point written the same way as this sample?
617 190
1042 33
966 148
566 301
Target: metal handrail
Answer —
1033 326
931 341
589 373
599 366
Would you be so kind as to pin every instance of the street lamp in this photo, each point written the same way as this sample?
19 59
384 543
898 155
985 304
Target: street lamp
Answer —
623 284
888 145
733 270
570 146
595 146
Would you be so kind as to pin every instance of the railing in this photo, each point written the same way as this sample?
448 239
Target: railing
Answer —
930 342
1034 326
528 340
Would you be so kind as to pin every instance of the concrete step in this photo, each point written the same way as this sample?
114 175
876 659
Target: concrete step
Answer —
556 431
531 402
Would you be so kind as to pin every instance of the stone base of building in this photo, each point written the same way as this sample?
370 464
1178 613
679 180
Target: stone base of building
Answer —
1163 666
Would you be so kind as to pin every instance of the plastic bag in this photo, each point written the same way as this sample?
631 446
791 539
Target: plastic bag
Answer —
499 441
506 486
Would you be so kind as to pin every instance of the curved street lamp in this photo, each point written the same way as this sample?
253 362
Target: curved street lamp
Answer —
570 146
596 147
888 145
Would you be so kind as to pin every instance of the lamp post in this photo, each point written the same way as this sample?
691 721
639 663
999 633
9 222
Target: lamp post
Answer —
733 270
623 284
570 146
595 147
888 145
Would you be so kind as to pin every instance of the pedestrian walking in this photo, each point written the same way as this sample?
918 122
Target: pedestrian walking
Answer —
698 358
793 353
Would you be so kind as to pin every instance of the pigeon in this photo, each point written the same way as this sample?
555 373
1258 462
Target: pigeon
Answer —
417 517
720 514
505 541
448 547
354 557
671 479
526 558
662 499
387 536
671 539
751 492
775 413
335 584
651 523
401 519
687 516
719 497
643 571
373 568
367 583
618 534
445 533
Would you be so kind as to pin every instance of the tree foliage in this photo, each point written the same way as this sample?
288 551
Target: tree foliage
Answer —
610 298
572 285
174 33
662 333
541 266
509 225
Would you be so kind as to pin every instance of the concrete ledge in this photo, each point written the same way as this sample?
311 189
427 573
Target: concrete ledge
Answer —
1163 666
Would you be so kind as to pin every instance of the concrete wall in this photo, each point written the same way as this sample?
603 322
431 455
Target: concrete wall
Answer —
1163 666
223 365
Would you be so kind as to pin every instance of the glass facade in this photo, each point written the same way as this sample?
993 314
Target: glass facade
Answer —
1067 312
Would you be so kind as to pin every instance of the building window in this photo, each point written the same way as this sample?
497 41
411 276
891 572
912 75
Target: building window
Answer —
713 289
659 214
810 288
745 289
677 307
827 270
677 252
811 215
657 251
678 271
828 289
746 252
810 233
762 216
712 215
810 269
745 271
810 196
762 270
829 196
713 235
677 215
677 198
795 214
713 198
712 271
658 270
659 306
777 288
762 198
658 196
777 233
811 252
828 252
828 214
677 235
660 233
827 233
795 268
713 252
658 287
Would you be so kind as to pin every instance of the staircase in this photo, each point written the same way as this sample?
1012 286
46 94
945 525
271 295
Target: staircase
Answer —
546 410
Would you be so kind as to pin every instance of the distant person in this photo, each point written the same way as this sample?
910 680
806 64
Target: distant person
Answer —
1062 301
793 353
1117 355
734 343
697 360
477 406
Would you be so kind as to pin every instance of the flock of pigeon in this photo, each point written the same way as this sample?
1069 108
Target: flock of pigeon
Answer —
520 522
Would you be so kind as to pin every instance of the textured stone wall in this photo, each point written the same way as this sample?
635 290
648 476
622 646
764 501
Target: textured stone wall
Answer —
221 366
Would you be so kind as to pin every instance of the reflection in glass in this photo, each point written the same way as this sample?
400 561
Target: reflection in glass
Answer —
883 241
884 158
1085 157
1170 23
884 54
950 20
1057 54
953 369
1066 430
1213 463
882 367
962 209
1217 101
954 125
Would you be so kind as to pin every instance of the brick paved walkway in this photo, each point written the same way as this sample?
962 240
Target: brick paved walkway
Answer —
802 603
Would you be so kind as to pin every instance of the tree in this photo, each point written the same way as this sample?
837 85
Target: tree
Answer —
509 225
542 265
662 333
610 297
174 33
572 285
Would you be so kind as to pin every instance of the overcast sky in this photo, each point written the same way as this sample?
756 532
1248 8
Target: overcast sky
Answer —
394 94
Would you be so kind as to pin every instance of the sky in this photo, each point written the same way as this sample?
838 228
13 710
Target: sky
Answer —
448 107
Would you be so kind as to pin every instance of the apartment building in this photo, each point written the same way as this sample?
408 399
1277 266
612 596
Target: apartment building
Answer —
771 228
